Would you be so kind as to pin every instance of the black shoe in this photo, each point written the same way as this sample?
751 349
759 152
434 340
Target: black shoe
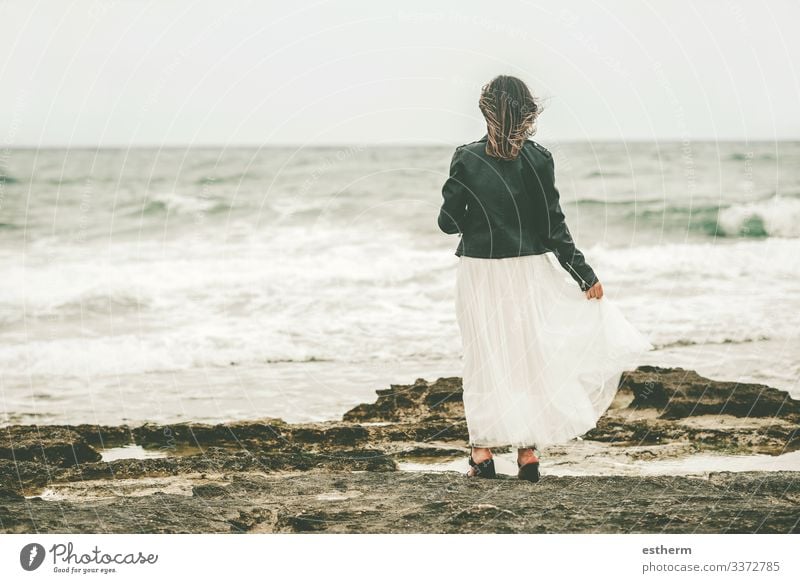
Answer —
485 469
529 472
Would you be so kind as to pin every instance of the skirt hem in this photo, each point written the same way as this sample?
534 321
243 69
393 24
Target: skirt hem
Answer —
611 373
542 363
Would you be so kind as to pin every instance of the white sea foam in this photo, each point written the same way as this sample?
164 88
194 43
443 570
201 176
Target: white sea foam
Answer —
294 294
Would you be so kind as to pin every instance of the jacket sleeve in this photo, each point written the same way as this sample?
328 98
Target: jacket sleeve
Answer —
558 238
454 195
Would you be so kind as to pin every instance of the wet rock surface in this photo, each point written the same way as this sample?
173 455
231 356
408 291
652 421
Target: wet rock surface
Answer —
56 446
374 502
342 476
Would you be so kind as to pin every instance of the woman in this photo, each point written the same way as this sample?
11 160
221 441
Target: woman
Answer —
541 363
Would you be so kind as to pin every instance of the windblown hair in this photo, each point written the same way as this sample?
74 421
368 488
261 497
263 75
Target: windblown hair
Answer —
510 111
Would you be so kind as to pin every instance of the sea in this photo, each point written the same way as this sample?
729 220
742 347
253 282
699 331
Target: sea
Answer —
218 284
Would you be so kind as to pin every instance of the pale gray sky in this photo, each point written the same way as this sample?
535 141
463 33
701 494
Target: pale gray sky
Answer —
131 72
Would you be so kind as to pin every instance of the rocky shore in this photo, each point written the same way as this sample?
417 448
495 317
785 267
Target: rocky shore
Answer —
354 475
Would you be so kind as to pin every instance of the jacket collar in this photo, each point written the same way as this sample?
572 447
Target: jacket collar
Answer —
484 138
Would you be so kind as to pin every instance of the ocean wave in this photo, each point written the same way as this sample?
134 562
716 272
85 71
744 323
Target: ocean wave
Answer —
741 156
115 303
296 360
235 178
691 342
112 303
182 204
88 180
186 347
604 174
619 203
776 217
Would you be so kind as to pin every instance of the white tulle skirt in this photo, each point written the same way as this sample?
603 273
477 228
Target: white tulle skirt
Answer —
541 362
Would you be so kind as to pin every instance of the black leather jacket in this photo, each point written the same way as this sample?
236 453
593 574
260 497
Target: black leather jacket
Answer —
509 208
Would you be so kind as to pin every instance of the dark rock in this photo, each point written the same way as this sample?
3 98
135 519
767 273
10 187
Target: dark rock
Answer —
104 435
250 520
680 393
328 434
210 491
440 399
199 434
23 476
9 494
224 460
303 522
325 520
429 452
47 445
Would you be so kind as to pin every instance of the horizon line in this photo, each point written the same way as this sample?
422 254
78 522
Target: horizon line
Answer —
216 145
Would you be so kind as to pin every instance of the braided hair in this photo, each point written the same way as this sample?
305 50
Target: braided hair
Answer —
510 111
